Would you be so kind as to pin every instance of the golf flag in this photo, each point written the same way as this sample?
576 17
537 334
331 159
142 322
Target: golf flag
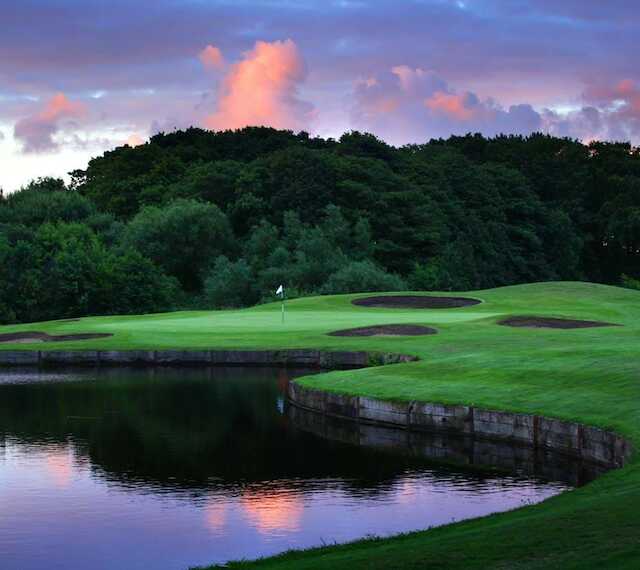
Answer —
280 291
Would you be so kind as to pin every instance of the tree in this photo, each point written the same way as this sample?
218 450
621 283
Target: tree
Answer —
45 200
182 238
230 284
7 314
210 182
133 284
467 212
315 259
362 276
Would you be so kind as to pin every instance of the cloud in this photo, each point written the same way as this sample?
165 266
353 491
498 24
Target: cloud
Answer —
1 136
414 105
134 140
609 112
211 57
621 104
36 132
262 89
457 107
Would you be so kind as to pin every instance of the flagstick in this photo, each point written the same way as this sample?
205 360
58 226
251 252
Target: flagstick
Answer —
280 291
283 308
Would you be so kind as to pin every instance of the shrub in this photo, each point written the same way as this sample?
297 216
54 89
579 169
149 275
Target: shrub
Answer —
181 238
362 276
136 285
630 282
230 284
427 276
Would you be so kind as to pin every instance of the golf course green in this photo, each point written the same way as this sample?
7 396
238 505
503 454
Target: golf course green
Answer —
589 375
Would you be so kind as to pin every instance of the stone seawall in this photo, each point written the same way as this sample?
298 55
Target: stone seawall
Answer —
580 441
450 448
292 357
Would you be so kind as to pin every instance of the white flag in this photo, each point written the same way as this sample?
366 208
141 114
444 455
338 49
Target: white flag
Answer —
280 290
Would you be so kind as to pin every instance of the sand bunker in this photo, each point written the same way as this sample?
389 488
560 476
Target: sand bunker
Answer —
552 323
386 330
415 302
35 336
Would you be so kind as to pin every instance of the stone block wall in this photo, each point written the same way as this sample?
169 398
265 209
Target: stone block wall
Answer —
577 440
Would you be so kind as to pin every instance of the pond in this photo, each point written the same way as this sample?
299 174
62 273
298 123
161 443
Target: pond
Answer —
168 468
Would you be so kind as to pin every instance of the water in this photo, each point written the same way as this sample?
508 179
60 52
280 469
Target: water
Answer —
171 468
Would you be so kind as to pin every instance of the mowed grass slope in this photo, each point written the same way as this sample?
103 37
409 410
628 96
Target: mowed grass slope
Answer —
588 375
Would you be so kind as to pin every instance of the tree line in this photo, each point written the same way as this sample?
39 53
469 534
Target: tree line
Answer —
201 219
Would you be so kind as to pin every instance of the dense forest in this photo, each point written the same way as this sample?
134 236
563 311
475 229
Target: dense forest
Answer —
203 219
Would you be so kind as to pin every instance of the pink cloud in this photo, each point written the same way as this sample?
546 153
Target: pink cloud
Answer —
611 112
413 105
262 90
625 90
211 57
455 106
411 80
628 92
36 132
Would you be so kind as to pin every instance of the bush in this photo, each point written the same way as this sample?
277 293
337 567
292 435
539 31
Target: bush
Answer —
230 284
181 238
426 276
630 283
135 285
362 276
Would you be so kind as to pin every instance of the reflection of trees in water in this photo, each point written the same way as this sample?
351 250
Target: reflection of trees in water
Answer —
192 430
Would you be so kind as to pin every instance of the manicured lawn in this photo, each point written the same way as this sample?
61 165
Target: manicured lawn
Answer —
589 375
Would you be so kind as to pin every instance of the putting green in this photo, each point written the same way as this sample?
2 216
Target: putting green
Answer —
586 375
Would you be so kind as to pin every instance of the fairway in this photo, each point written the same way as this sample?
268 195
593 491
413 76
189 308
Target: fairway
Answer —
590 375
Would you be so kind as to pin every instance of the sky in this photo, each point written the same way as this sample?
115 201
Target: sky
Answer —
78 77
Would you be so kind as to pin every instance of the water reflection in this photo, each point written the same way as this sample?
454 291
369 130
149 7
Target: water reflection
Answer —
168 468
269 512
452 449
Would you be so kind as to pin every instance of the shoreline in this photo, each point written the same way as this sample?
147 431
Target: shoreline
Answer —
576 439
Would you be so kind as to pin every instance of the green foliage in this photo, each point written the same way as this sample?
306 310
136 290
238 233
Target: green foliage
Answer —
429 276
74 261
362 276
315 259
463 213
214 182
45 200
133 284
230 284
630 282
181 238
7 315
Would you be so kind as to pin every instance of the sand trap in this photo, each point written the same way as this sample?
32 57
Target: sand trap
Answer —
552 323
35 336
386 330
415 302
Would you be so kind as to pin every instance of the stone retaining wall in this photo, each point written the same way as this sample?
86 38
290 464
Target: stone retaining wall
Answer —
588 443
450 448
291 357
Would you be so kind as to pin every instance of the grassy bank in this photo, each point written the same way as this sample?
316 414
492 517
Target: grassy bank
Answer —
587 375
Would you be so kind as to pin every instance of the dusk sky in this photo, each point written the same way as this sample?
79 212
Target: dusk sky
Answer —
78 77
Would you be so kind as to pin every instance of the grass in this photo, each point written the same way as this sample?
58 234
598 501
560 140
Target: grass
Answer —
587 375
